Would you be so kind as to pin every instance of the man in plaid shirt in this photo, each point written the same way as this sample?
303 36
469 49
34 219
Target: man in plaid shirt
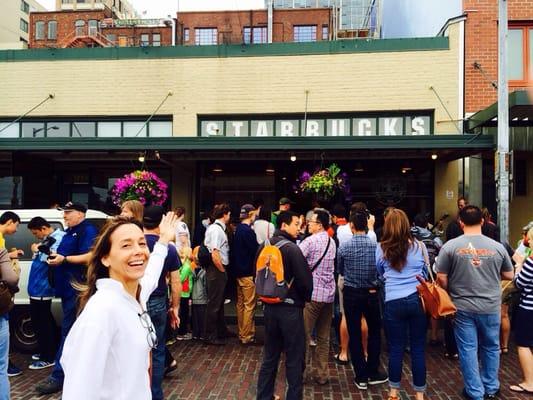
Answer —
356 262
319 250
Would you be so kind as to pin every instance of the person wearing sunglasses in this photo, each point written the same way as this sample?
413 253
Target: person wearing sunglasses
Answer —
107 352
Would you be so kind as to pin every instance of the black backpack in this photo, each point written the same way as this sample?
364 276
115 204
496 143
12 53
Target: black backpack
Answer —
432 246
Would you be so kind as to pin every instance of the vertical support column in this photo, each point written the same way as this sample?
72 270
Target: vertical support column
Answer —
502 155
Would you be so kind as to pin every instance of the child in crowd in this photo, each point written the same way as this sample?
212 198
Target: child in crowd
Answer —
186 276
199 297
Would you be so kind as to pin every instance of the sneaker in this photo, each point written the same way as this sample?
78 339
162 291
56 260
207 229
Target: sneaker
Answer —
492 395
41 364
361 384
49 386
35 357
378 378
312 343
187 336
13 370
172 367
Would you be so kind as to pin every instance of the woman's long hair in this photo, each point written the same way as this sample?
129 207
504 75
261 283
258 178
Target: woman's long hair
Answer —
396 238
101 248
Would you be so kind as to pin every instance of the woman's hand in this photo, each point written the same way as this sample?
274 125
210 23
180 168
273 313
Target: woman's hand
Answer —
167 228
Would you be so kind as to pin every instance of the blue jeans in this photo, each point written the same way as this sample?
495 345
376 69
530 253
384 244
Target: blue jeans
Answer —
157 309
473 333
69 317
405 319
4 354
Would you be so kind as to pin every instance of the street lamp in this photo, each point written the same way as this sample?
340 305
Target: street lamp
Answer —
37 130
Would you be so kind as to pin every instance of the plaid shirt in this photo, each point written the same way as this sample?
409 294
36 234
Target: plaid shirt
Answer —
313 248
357 262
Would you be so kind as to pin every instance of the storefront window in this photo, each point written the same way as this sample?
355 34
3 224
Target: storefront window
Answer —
83 129
161 129
10 191
58 129
33 129
8 130
134 129
109 129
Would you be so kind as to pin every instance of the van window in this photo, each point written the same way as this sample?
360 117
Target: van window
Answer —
23 239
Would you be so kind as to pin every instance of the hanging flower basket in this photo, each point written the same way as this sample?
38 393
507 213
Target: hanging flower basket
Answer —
144 186
324 183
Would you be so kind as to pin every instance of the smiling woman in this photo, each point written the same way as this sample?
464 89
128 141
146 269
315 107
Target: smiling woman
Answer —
106 354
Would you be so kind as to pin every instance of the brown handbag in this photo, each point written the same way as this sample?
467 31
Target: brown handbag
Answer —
435 300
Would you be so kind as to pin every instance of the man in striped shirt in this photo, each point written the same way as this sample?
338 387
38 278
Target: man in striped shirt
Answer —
471 268
319 250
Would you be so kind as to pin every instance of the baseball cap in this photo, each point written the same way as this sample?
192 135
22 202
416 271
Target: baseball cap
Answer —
245 210
285 200
70 206
153 214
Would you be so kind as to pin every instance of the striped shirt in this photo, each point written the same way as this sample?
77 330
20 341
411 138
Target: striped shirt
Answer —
313 248
523 280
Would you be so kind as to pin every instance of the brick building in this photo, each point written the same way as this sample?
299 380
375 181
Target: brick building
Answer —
95 28
481 50
481 95
251 26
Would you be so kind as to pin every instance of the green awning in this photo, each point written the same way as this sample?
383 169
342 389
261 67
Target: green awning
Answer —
520 112
213 144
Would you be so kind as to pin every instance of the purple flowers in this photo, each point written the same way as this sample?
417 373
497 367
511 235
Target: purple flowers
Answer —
144 186
325 182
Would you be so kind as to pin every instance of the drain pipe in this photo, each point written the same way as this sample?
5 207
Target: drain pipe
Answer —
270 20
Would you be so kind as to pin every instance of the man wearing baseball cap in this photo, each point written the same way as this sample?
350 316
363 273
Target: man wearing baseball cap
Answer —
70 263
284 205
242 254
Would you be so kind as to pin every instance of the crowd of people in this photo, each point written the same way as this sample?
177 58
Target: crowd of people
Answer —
140 284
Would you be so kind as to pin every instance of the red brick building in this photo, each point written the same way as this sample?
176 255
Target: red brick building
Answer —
481 50
95 28
251 26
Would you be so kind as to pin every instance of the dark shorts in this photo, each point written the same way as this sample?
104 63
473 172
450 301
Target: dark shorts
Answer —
523 327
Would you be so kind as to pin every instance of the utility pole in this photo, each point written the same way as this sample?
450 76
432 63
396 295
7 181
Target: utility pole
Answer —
502 155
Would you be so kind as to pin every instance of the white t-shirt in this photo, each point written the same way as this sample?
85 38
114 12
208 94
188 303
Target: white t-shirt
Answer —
344 234
263 230
106 353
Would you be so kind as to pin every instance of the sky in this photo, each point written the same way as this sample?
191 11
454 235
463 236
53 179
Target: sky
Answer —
401 18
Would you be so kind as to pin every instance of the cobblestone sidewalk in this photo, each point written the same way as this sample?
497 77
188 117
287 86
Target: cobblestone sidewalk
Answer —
230 372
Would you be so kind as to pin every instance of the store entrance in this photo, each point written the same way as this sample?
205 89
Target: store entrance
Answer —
406 184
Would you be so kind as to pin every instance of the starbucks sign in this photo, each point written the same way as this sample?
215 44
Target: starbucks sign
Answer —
414 124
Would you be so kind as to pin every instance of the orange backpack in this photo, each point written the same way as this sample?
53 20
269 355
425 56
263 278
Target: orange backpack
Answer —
270 284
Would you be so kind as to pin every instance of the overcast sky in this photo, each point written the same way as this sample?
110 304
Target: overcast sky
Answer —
401 18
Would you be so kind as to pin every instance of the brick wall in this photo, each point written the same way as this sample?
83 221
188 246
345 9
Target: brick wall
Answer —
66 28
481 45
230 24
65 25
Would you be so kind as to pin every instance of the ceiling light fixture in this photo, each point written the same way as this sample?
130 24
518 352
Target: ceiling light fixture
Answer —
434 156
293 157
142 157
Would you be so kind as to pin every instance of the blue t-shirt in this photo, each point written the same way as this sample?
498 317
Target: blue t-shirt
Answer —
38 284
403 283
172 263
77 240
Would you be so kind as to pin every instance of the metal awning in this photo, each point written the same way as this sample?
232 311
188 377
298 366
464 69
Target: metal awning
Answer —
447 147
520 112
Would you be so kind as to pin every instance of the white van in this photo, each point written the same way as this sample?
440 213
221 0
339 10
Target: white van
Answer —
22 334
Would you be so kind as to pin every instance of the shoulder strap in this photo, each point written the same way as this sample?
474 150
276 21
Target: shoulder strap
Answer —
321 258
282 243
426 260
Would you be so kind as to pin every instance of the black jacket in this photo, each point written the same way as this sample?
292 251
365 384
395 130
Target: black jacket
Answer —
295 266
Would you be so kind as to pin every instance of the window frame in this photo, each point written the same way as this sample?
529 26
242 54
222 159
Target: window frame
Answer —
186 35
51 22
24 26
156 43
24 7
43 36
144 42
213 34
527 67
251 33
313 28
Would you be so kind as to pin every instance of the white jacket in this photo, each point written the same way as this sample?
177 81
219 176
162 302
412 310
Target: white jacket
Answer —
106 353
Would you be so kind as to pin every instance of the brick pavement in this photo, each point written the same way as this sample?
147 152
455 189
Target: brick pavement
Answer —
230 372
